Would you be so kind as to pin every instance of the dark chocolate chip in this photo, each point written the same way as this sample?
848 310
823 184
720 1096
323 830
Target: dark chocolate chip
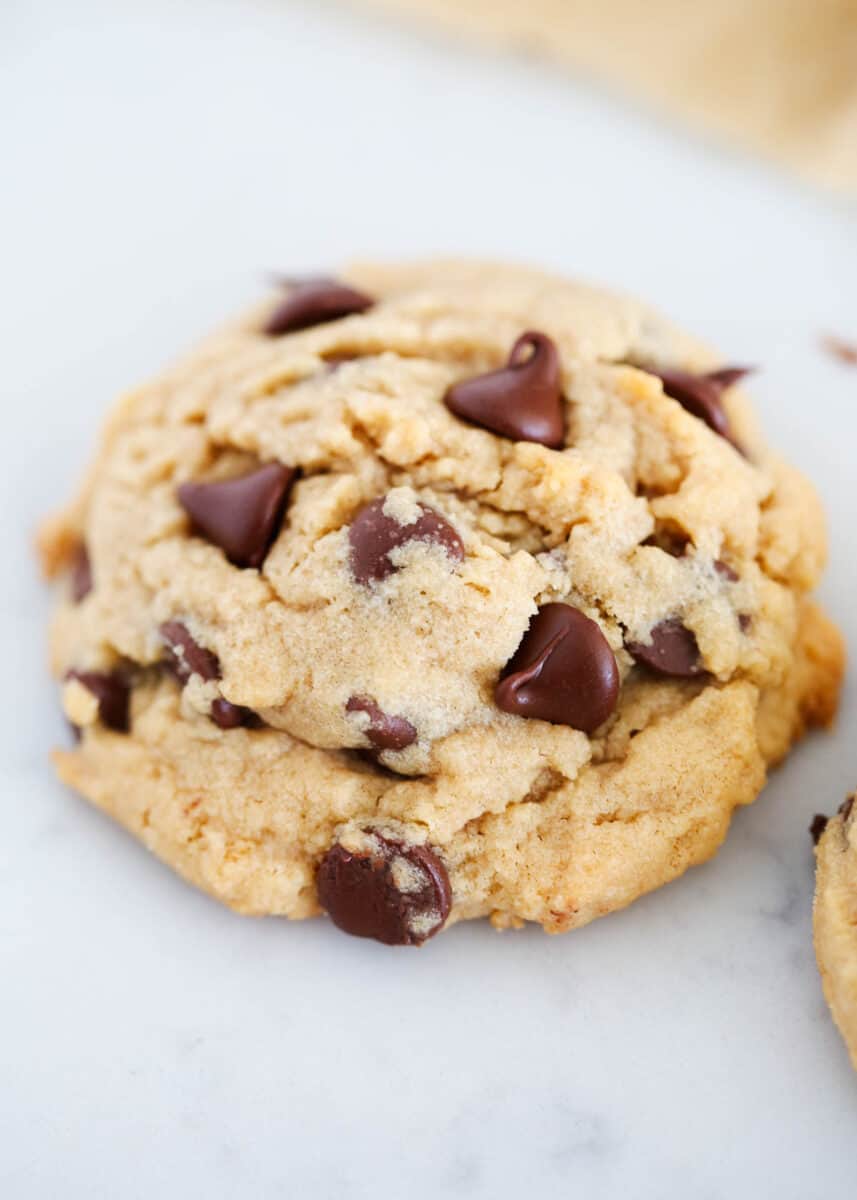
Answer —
242 516
81 575
186 657
845 808
817 826
313 302
361 895
745 622
725 571
113 694
522 401
373 536
383 731
701 395
563 671
673 650
227 715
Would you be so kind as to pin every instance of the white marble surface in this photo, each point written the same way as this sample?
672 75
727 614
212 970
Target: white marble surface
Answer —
159 157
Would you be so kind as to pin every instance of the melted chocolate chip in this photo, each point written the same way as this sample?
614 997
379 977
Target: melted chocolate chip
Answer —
745 622
522 401
333 361
725 571
672 542
817 826
81 575
383 731
364 896
673 650
371 759
373 536
701 395
185 657
113 694
563 671
313 302
242 516
227 715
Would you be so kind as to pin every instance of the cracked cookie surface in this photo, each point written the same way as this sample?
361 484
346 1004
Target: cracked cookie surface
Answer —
835 919
453 582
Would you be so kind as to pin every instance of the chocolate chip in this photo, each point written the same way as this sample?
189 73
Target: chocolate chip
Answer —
522 401
563 671
817 826
384 732
227 715
397 894
673 650
113 694
242 516
373 536
701 395
313 302
725 571
843 351
727 377
369 758
845 808
334 361
81 575
186 657
671 541
745 622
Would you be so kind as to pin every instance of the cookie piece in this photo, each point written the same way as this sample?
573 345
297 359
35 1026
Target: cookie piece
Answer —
835 917
433 602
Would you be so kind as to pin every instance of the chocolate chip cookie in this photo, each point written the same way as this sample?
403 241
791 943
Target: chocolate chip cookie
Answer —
437 592
835 917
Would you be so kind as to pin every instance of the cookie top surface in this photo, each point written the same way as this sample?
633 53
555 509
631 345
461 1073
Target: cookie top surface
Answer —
475 522
835 919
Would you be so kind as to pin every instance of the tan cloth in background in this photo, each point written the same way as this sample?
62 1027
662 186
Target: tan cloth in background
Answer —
779 76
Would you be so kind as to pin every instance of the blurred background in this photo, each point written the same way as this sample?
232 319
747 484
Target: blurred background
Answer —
160 158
